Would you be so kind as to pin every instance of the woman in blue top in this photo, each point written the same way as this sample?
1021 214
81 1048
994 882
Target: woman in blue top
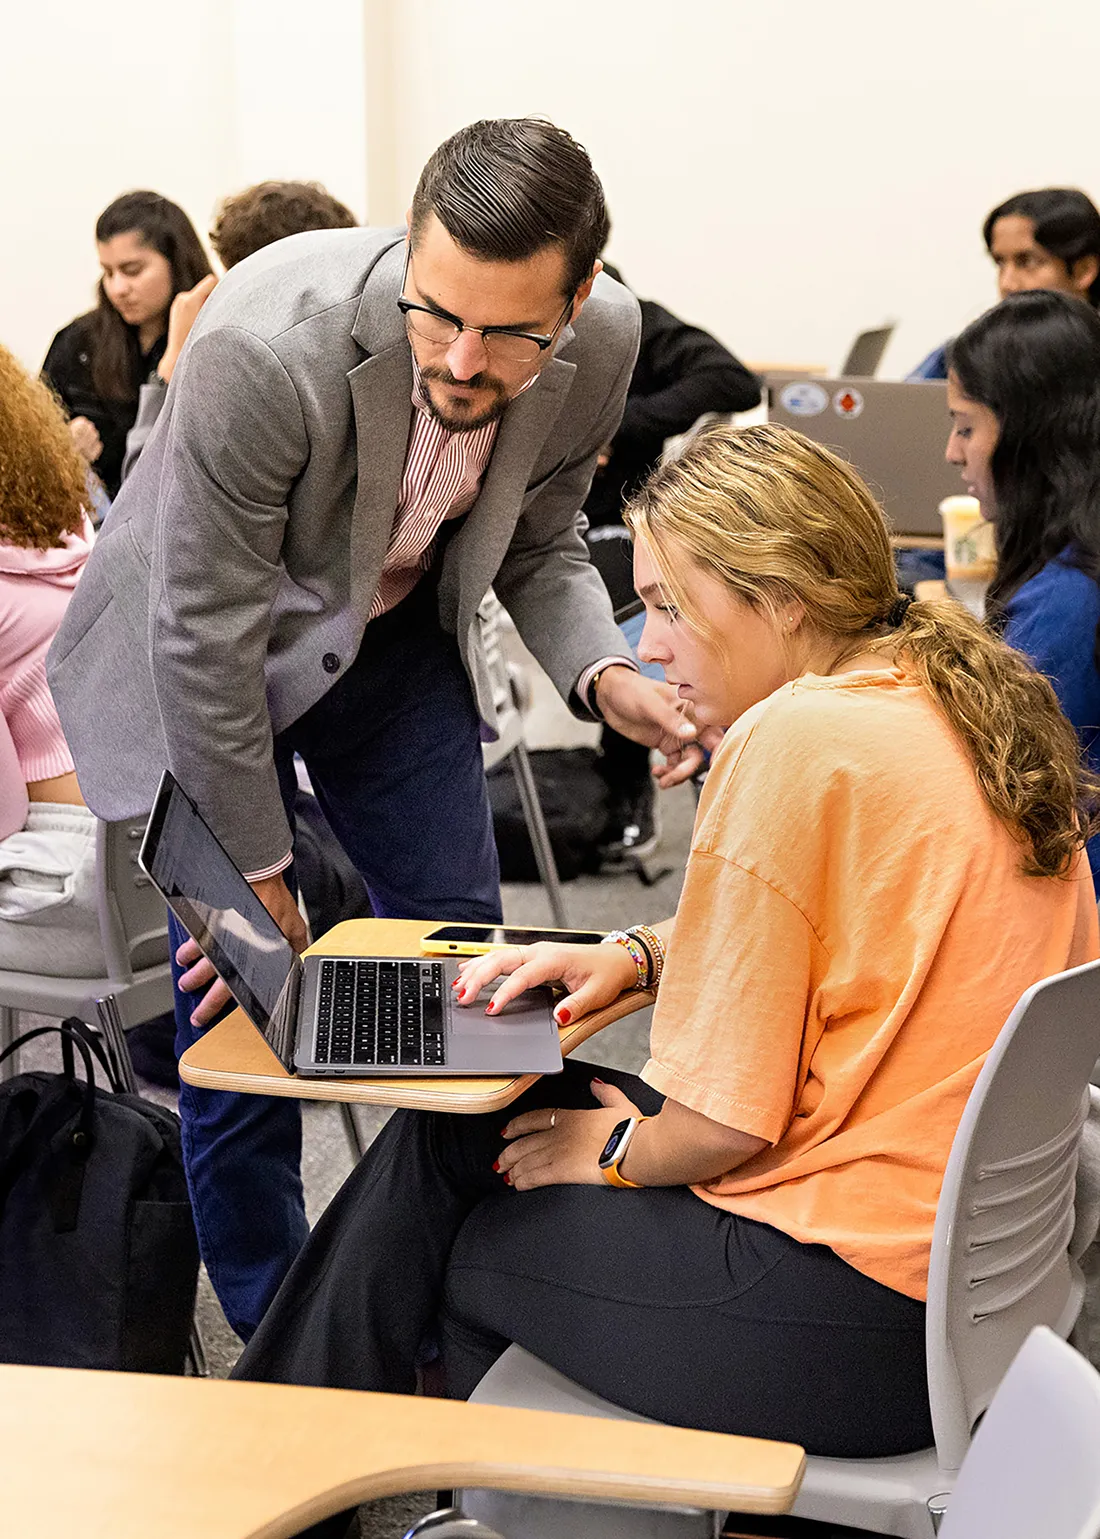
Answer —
1023 391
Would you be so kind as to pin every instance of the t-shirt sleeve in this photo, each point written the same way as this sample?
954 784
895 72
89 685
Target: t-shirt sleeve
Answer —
730 1021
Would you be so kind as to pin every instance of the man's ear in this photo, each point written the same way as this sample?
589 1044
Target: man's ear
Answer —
408 226
585 289
1084 273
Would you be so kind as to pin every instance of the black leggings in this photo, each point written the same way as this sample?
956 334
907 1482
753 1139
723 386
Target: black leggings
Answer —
652 1298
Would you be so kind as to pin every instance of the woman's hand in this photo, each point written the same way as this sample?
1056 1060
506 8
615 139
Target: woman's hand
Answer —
86 439
563 1148
181 317
594 975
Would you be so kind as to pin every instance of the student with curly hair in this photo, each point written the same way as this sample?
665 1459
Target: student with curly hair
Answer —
47 836
887 853
149 253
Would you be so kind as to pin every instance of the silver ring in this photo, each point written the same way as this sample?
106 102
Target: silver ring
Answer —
553 1118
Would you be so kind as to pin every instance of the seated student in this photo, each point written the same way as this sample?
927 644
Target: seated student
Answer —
1023 390
681 373
48 920
1049 239
149 253
888 852
244 223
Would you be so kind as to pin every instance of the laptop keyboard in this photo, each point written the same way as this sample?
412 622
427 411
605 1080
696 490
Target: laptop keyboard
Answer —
373 1012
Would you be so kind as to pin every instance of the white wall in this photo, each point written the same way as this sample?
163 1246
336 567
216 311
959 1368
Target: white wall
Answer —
785 172
193 101
782 171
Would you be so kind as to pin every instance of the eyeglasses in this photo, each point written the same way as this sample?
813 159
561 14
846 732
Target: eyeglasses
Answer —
503 344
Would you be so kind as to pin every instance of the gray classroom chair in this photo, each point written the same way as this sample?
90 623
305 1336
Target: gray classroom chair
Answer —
999 1266
511 745
133 929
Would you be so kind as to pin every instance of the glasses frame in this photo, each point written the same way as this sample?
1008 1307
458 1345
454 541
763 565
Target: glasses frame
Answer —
484 332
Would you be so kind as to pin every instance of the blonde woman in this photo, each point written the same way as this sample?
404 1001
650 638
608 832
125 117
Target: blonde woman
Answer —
887 853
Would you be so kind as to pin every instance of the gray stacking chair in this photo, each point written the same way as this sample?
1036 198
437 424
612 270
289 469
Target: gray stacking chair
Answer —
510 745
133 928
1000 1265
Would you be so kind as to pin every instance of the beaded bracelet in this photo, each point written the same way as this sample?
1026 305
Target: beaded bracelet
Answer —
655 946
637 953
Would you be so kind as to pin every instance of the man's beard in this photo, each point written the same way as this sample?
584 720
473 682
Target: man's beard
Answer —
466 421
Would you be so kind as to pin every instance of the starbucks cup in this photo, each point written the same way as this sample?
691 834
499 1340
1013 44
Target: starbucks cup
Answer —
968 550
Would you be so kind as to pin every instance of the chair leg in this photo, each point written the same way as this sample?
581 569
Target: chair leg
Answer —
110 1023
9 1024
536 827
196 1351
356 1142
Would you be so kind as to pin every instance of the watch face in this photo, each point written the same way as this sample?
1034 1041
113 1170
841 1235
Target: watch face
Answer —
618 1133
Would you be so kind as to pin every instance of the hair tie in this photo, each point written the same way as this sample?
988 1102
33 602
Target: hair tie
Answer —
896 617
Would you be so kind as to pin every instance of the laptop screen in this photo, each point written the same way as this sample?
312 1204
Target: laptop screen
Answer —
215 904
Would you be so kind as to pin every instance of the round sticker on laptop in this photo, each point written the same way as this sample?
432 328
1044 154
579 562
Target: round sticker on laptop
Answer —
847 402
803 398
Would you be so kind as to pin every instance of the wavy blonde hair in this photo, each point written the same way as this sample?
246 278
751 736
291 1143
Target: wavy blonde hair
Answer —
777 517
43 480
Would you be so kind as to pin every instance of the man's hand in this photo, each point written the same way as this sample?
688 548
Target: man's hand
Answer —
276 897
181 317
86 439
650 713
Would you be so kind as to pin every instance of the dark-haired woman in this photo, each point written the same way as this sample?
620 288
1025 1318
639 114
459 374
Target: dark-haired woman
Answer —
1023 390
149 252
1048 239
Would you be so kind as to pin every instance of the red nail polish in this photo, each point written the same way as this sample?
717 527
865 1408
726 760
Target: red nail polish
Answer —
490 1008
504 1132
597 1081
564 1017
507 1179
496 1166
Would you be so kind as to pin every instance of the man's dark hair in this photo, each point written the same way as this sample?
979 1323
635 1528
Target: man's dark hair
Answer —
254 218
1067 224
506 188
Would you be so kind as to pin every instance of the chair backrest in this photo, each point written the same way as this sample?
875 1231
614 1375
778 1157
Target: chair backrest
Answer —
1033 1467
999 1262
133 919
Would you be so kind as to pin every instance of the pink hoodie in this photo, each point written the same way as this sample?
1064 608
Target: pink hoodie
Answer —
35 588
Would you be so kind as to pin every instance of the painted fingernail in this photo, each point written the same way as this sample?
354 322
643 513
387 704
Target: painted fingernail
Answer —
504 1132
507 1179
491 1007
563 1017
496 1166
597 1081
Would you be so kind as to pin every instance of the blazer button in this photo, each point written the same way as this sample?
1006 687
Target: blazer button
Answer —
330 662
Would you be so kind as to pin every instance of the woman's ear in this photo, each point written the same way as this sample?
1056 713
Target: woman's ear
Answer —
1084 273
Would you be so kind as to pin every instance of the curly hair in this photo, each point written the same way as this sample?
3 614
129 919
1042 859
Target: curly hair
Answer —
775 516
254 218
43 485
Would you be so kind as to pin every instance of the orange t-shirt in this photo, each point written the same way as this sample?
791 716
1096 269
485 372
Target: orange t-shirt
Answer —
853 933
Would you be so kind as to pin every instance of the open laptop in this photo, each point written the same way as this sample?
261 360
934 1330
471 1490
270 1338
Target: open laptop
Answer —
893 433
865 353
326 1017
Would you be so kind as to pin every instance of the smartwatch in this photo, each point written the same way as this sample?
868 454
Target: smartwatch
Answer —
614 1151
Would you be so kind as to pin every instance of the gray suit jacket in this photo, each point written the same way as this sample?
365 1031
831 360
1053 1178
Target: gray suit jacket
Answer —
246 546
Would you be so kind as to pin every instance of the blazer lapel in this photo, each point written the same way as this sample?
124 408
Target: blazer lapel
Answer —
381 394
474 555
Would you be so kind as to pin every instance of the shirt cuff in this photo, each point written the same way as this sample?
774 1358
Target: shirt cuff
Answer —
584 683
280 865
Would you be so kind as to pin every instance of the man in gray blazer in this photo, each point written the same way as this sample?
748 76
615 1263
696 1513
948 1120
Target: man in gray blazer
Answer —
362 434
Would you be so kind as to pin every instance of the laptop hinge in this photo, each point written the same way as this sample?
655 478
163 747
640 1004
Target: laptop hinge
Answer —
282 1033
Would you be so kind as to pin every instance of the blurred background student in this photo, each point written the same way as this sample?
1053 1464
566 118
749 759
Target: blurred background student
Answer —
682 373
1048 239
48 920
148 252
244 223
1023 389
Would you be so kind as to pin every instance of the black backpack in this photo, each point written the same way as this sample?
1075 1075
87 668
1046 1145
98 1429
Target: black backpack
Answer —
574 801
98 1256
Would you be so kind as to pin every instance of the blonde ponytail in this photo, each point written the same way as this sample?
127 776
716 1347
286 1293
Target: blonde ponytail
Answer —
776 516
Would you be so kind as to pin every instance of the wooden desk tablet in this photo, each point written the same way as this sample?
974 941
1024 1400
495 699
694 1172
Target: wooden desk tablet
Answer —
234 1056
129 1456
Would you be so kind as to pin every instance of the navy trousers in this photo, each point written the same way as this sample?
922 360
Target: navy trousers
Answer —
394 754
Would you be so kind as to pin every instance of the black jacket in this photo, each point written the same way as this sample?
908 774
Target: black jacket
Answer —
681 373
68 371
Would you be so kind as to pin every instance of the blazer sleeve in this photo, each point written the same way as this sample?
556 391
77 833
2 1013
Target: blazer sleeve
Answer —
547 583
237 443
151 398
